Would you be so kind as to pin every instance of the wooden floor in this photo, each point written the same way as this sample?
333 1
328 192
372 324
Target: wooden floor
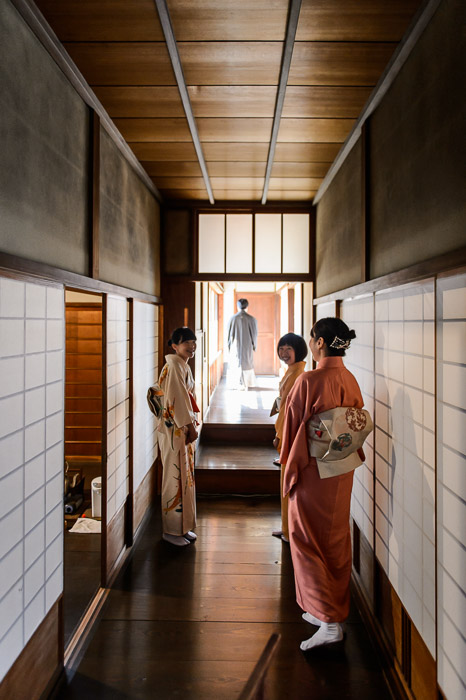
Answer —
191 622
229 405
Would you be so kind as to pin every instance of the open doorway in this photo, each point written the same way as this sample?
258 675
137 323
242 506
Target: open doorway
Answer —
83 454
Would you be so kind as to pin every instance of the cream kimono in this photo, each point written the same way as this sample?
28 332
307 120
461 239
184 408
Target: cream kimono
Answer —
178 488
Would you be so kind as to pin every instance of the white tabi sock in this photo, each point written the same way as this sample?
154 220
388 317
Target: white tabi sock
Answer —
177 540
309 617
190 535
328 633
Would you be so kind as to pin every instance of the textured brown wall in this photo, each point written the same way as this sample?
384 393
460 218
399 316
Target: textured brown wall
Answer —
177 242
338 228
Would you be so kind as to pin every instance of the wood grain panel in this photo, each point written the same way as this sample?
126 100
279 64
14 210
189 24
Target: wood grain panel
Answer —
299 169
167 183
83 331
291 195
164 151
76 314
318 101
240 183
123 63
39 663
304 152
423 670
172 169
154 129
92 419
294 183
317 130
112 20
355 20
338 64
233 100
140 101
84 434
84 361
238 129
77 404
231 63
236 151
236 169
85 376
237 20
177 195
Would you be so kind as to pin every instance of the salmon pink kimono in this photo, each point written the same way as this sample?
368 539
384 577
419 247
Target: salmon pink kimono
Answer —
318 509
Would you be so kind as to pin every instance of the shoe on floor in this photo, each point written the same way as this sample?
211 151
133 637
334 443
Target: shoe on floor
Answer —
277 462
190 535
284 539
177 540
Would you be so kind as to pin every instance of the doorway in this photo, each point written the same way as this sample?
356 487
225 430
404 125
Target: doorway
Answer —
83 454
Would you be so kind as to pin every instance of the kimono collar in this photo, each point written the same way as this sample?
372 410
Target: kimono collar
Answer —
297 365
328 362
173 359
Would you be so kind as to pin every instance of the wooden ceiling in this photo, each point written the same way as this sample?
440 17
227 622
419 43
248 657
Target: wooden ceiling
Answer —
231 55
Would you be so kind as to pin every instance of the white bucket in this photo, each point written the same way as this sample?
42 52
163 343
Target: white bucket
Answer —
96 497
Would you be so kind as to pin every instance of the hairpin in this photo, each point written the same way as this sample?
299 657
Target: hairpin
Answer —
340 344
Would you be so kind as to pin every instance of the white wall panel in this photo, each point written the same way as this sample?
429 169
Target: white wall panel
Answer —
405 448
145 372
31 459
451 484
117 404
358 314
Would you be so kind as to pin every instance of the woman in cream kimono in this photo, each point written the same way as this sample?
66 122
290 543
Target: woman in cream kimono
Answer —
176 435
292 350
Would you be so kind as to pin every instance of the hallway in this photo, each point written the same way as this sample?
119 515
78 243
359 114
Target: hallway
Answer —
191 623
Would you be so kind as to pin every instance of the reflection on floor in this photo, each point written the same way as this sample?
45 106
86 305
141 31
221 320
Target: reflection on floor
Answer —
252 406
191 622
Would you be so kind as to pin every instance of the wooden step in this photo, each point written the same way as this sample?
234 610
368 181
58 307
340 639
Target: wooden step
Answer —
237 469
237 434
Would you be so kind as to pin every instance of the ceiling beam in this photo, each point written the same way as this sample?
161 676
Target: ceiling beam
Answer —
172 47
291 26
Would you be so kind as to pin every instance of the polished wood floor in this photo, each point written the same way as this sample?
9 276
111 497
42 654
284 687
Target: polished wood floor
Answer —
191 622
229 405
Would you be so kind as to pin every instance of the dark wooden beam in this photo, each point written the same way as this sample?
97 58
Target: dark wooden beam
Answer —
172 47
291 26
94 195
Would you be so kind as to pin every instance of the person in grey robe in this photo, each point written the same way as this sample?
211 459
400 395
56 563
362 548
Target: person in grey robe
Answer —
242 340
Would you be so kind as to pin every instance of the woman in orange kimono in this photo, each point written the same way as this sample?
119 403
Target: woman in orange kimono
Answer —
319 509
292 350
176 436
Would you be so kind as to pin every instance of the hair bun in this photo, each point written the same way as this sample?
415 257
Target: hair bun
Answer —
352 335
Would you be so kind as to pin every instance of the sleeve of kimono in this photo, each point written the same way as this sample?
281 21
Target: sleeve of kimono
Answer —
177 396
253 332
231 333
286 385
300 406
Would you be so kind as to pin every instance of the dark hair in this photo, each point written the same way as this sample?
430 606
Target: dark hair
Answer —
336 334
297 343
243 303
181 335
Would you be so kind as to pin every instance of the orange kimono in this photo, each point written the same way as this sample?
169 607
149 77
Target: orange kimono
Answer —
284 388
318 509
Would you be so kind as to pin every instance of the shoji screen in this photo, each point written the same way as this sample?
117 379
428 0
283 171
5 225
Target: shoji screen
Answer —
451 483
359 315
145 365
405 448
117 404
31 459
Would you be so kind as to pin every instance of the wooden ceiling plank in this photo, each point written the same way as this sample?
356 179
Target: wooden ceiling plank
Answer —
292 23
306 152
140 101
235 152
314 130
163 130
294 169
231 63
123 63
88 20
238 129
295 183
236 169
322 101
339 64
232 100
172 152
165 21
355 20
172 169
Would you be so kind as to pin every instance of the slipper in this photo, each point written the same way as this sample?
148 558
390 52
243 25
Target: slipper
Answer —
190 535
177 540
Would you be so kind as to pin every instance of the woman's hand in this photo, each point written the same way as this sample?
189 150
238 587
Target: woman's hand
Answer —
275 442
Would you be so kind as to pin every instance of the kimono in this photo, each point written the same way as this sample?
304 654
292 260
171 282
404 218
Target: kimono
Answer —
242 337
318 509
284 388
178 488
